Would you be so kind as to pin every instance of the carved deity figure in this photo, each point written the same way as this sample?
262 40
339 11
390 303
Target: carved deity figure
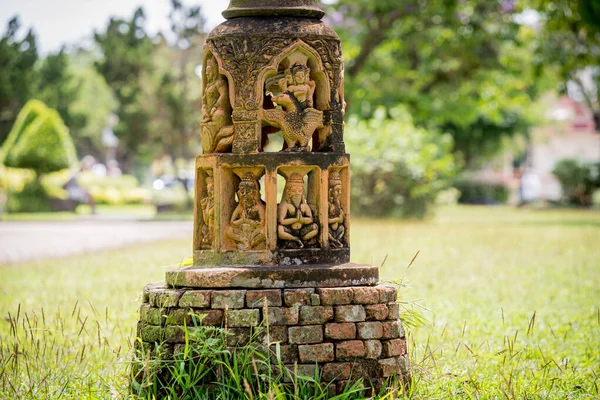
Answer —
336 213
247 225
298 120
217 127
295 220
207 203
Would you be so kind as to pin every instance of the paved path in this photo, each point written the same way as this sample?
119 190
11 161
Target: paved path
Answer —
21 241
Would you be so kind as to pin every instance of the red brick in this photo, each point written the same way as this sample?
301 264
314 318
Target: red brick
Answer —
305 334
276 333
377 312
350 313
195 298
349 349
322 352
337 371
228 299
394 347
369 330
373 348
387 293
340 331
392 329
394 311
288 354
294 370
209 317
365 295
243 318
389 367
297 297
315 315
283 315
335 296
256 298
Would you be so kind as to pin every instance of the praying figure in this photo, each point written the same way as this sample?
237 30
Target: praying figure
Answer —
216 126
207 204
247 225
296 226
336 213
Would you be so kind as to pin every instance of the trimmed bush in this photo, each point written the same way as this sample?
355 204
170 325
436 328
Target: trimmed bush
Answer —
578 180
397 169
474 191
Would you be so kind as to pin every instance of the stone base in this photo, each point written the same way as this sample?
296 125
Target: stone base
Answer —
281 276
347 333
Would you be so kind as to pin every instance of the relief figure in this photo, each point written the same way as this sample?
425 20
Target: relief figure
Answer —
336 213
247 225
216 126
296 225
207 203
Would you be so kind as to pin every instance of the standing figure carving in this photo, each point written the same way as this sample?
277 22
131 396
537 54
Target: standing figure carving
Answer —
247 225
207 203
216 126
296 224
298 120
336 213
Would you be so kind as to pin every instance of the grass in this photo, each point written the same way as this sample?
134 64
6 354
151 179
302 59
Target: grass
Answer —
512 298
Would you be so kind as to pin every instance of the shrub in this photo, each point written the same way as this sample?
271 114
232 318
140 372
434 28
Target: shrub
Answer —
578 180
473 191
397 169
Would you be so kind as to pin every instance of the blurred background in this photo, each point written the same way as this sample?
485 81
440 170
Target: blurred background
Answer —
472 101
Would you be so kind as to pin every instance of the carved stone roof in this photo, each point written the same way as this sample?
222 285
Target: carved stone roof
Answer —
273 8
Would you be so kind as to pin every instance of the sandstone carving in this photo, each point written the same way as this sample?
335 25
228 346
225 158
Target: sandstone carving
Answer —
247 225
207 203
216 126
337 230
296 225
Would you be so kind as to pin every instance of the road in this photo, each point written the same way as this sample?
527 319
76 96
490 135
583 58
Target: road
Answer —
22 241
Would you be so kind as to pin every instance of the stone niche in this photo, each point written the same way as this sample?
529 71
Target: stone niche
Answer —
275 226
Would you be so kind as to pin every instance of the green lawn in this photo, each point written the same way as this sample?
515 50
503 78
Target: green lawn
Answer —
512 299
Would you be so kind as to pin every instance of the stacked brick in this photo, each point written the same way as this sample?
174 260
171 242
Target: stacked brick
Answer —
347 333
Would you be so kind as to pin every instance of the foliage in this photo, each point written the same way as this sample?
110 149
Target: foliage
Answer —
461 67
569 40
397 169
32 198
39 140
578 180
473 191
17 73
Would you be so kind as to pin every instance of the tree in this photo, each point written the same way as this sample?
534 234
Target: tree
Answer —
126 60
458 66
17 73
569 40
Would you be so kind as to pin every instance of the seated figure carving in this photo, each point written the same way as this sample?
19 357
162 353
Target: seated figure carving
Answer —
296 225
336 213
247 225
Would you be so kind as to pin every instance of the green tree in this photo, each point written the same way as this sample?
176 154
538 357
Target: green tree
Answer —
17 73
458 66
569 41
125 63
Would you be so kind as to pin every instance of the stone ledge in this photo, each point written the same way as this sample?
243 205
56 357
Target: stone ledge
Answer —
303 276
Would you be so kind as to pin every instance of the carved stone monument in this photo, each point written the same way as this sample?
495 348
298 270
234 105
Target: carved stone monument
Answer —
273 228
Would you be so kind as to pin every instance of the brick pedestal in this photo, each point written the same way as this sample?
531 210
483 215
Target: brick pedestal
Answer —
347 333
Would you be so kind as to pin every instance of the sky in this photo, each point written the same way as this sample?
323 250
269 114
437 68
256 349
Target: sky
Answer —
63 22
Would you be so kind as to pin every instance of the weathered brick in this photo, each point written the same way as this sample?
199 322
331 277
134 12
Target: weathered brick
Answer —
256 298
297 297
228 299
208 317
394 311
322 352
195 298
349 349
174 334
403 365
387 293
294 370
287 354
340 331
164 297
337 371
152 287
392 329
151 333
369 330
144 312
179 348
243 318
373 348
178 316
335 296
365 295
350 313
394 347
238 336
283 315
389 367
315 300
156 316
377 312
274 334
305 334
315 315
